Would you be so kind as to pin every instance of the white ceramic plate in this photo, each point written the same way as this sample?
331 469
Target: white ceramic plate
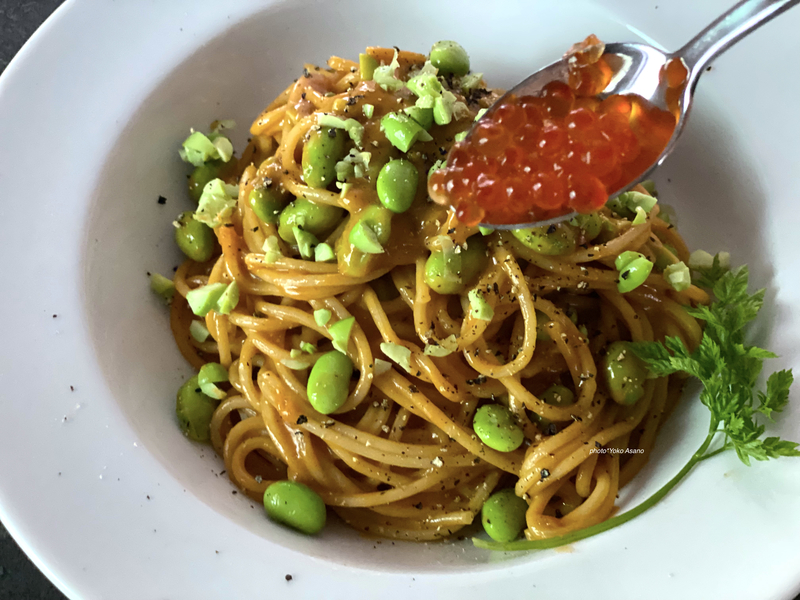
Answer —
99 486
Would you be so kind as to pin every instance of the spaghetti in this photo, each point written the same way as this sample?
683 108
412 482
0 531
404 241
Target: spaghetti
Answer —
400 459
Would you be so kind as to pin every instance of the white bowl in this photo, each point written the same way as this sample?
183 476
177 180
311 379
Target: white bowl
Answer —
99 486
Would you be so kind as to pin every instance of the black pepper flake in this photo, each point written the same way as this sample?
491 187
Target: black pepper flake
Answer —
551 229
413 389
551 429
480 379
625 274
559 514
545 474
331 133
302 419
418 506
234 492
148 497
288 577
451 231
72 388
306 73
597 444
162 200
255 229
55 316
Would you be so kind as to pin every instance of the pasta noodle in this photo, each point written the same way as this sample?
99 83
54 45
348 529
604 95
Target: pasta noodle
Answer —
400 458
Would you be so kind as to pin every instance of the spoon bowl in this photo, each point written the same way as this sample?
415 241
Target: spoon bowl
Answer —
637 69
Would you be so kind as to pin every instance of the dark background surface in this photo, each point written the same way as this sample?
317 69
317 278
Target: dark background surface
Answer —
19 578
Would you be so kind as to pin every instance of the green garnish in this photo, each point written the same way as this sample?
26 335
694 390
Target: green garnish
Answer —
354 165
479 308
728 368
353 128
200 148
216 203
203 299
199 331
368 110
272 249
363 237
340 332
324 253
306 242
678 276
229 299
322 316
384 76
308 347
485 230
444 348
162 286
399 354
367 65
402 131
625 204
210 374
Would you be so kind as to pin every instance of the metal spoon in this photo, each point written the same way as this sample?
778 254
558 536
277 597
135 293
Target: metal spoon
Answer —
638 67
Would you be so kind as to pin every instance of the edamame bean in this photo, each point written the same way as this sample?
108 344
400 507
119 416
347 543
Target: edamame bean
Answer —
374 219
267 203
558 395
552 240
450 57
397 185
450 273
503 515
201 176
312 217
194 410
324 148
633 270
625 373
496 427
590 225
296 505
329 382
195 239
542 330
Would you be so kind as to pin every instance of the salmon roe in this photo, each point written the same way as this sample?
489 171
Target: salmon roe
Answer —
539 157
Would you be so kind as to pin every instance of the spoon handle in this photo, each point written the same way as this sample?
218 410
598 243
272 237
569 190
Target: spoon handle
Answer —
729 28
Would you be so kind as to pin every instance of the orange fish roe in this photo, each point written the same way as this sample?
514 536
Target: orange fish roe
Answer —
539 157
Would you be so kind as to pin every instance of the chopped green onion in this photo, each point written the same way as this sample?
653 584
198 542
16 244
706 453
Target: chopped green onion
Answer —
425 84
461 136
363 237
354 165
322 316
229 299
481 112
353 128
399 354
402 131
295 364
384 76
469 82
340 332
272 249
381 366
324 253
700 259
444 348
678 276
479 308
211 374
198 149
162 286
641 216
625 204
199 331
308 347
203 299
218 126
485 230
216 203
423 116
367 65
368 110
305 242
295 353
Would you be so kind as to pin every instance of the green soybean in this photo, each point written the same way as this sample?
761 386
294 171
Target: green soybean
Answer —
295 505
195 239
552 240
319 219
542 330
201 176
211 374
397 185
323 149
624 373
503 516
329 382
194 410
450 57
267 203
496 427
590 225
558 395
449 273
633 270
